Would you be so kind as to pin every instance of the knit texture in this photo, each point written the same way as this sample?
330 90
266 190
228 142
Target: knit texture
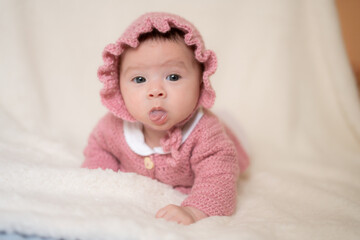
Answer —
108 73
206 166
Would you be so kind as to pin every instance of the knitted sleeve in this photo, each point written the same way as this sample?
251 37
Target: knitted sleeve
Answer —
216 167
97 152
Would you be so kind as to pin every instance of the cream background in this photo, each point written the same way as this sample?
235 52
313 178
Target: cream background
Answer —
280 66
283 81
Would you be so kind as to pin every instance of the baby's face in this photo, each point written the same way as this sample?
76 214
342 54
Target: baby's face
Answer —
160 83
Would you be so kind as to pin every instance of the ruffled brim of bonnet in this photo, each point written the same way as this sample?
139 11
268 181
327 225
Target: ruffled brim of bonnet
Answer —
108 73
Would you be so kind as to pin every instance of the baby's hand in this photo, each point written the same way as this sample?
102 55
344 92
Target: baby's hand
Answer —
183 215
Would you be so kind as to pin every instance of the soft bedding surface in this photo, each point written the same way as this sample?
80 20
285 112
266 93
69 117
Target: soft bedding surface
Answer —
283 84
45 194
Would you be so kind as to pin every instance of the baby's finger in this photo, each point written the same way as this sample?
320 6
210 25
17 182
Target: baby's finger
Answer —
161 213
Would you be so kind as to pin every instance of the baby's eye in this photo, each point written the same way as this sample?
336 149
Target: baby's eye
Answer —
139 79
173 77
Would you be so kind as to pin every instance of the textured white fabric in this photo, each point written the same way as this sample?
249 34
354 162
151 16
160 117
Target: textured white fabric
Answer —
283 76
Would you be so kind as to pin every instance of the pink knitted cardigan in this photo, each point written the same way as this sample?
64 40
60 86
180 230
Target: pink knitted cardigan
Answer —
206 165
210 162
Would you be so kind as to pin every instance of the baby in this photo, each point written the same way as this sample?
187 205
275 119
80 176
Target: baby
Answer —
157 88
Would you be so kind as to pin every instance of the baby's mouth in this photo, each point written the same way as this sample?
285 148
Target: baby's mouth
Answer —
158 116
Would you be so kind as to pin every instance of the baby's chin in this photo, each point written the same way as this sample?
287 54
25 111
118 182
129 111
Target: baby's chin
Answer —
160 128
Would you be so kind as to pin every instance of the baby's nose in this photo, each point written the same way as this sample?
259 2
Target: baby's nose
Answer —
156 93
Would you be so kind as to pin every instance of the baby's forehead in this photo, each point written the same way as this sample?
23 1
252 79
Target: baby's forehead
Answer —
176 50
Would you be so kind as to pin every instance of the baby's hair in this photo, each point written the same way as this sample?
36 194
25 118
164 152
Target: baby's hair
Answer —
173 35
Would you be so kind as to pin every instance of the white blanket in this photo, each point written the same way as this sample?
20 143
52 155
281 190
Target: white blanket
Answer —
283 76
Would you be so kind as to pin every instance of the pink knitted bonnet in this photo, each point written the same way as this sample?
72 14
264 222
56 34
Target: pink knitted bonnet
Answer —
108 73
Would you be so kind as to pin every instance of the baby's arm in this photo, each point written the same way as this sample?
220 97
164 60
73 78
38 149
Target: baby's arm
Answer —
215 163
97 153
214 191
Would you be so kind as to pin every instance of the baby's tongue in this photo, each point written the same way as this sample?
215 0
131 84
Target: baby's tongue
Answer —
157 115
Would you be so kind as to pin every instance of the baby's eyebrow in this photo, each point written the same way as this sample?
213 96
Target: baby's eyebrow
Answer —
178 63
171 62
129 69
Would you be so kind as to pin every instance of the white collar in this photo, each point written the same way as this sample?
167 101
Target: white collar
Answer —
135 138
